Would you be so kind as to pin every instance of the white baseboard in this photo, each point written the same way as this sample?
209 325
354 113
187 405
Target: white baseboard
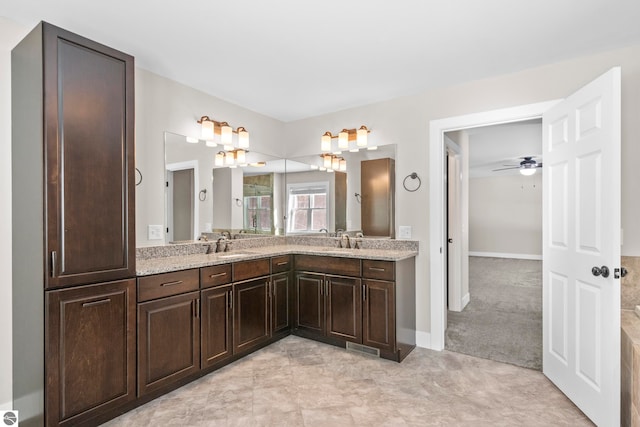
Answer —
505 255
423 339
465 300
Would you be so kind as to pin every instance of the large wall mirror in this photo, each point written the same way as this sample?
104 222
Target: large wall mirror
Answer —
350 191
205 195
262 195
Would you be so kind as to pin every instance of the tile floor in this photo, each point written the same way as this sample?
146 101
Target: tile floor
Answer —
299 382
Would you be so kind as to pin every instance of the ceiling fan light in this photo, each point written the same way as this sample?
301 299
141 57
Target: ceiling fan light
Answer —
528 171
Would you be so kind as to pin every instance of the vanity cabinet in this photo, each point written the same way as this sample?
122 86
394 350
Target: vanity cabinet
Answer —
216 318
91 341
168 329
376 308
251 315
281 294
73 193
329 304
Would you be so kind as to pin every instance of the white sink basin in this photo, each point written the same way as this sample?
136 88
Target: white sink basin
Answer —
233 255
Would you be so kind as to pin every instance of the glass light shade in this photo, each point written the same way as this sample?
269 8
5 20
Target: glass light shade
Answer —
343 139
210 143
335 163
226 134
361 136
325 142
228 158
241 156
206 129
343 165
326 161
219 159
528 171
243 138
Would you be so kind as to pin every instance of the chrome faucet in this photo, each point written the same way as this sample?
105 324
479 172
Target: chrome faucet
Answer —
226 234
324 230
345 236
221 244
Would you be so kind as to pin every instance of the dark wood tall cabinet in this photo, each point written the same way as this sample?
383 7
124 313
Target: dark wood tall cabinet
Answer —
377 187
73 226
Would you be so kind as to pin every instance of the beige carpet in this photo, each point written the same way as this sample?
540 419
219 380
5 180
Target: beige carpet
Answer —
503 320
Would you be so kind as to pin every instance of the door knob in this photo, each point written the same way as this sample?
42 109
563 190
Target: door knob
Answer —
597 271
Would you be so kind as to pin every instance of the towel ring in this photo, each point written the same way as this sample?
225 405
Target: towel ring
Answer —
138 177
412 175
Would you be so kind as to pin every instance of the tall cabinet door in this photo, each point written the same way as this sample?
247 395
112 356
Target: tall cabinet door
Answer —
90 340
89 158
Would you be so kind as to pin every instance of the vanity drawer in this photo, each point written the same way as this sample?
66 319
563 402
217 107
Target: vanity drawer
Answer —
167 284
280 264
215 275
328 265
244 270
381 270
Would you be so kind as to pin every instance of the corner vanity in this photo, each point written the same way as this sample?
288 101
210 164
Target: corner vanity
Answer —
198 311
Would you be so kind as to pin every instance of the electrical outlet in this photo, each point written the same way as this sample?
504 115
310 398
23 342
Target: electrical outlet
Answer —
404 232
154 232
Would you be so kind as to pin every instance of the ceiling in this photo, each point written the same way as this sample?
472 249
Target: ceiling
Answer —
292 59
499 146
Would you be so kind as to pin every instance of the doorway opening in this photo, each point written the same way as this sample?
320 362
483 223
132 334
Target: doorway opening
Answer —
181 195
494 242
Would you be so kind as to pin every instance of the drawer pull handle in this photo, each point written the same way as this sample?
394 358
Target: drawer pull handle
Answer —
283 263
218 275
177 282
98 302
376 268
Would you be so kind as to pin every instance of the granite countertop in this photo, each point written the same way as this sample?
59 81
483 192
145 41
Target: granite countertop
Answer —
145 267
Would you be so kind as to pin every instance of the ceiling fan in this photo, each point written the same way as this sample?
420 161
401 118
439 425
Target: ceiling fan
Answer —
527 166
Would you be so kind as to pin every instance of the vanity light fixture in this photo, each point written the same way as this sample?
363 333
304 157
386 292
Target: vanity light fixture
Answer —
210 128
333 162
345 136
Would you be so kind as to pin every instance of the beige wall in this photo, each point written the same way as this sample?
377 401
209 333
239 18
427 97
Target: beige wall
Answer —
10 34
505 215
165 105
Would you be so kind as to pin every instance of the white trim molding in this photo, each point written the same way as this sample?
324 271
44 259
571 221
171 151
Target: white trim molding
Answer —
423 340
534 257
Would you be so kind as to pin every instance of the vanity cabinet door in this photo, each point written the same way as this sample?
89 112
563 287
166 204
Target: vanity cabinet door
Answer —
91 351
250 314
344 308
309 307
168 341
379 316
280 302
217 325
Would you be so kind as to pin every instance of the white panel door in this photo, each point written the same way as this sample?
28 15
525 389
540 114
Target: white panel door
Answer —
581 230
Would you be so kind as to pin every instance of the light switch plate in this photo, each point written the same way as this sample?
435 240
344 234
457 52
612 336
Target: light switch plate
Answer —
154 232
404 232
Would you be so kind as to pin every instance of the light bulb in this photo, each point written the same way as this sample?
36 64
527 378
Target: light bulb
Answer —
343 139
361 136
325 142
206 128
528 171
335 163
343 165
228 158
243 138
226 133
219 159
326 161
240 156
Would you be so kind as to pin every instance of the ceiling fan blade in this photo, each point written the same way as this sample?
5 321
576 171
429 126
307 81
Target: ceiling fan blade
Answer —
504 169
